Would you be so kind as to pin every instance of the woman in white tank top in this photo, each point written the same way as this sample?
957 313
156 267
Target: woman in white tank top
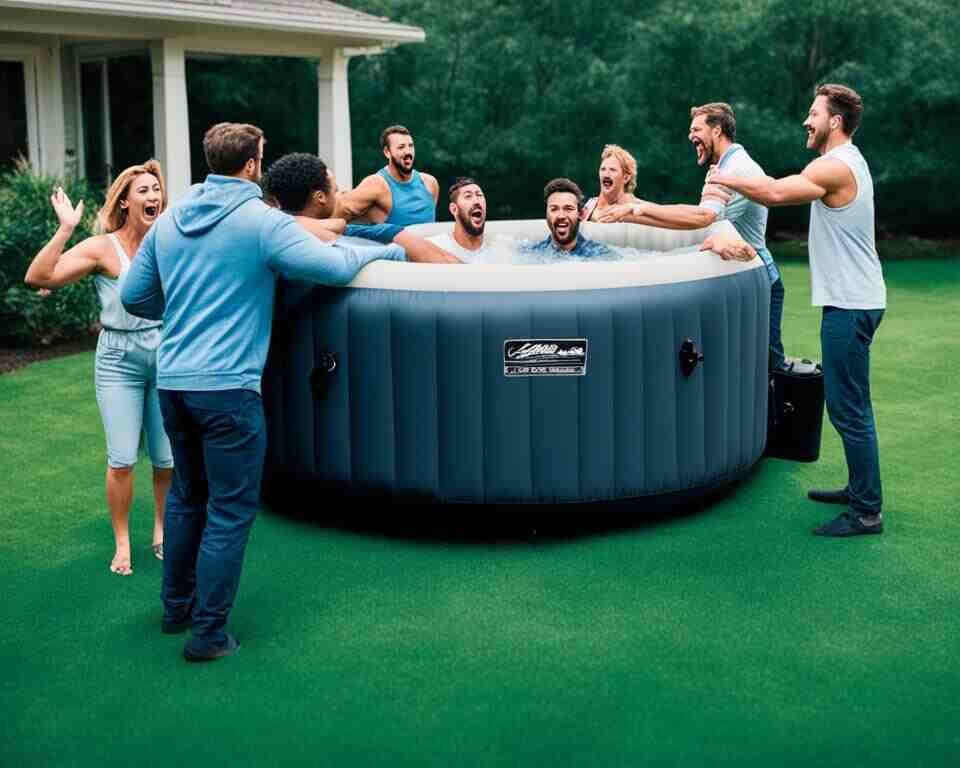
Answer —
125 366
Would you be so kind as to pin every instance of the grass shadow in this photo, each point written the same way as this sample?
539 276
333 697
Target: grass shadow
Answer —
485 524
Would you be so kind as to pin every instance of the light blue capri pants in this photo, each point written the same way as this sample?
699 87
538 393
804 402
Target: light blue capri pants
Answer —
125 374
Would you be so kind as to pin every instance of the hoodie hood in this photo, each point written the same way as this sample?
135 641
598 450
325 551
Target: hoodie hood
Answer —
206 204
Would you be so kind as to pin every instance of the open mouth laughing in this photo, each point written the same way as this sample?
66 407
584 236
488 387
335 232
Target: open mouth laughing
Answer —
151 211
701 151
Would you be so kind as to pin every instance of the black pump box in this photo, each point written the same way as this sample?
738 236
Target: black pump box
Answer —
795 411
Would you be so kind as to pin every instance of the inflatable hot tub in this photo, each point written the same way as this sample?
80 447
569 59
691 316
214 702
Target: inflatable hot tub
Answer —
537 384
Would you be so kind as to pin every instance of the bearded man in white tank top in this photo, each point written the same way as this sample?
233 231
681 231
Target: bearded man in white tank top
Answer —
847 282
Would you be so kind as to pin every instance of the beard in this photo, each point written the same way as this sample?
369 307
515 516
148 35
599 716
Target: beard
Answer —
403 164
571 235
467 223
818 139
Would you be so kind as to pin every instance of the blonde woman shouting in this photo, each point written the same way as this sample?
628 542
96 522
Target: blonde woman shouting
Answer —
125 364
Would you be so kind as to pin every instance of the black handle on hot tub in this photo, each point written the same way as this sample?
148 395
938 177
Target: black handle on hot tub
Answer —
690 356
322 376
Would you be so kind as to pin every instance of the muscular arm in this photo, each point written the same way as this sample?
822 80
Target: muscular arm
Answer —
51 267
432 184
677 216
293 252
323 229
369 193
818 180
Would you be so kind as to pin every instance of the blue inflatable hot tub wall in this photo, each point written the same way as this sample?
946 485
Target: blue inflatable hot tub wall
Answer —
524 384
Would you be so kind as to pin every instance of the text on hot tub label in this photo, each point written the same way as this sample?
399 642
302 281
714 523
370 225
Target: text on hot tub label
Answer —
545 357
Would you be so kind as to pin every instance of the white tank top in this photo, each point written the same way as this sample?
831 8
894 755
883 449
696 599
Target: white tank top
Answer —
845 270
112 314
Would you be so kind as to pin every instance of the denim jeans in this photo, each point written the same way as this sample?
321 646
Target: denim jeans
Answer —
219 443
125 378
776 320
845 336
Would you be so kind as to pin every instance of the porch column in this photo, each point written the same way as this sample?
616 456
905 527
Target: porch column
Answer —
171 129
333 123
50 106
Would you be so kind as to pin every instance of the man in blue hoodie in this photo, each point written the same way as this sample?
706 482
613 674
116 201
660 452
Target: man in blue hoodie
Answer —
208 268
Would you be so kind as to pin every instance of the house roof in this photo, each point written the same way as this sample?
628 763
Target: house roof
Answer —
310 16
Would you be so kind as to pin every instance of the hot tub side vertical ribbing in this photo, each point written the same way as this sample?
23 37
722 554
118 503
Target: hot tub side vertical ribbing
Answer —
541 384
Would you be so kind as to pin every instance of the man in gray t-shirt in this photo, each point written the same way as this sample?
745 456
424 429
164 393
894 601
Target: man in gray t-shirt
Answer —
468 207
713 130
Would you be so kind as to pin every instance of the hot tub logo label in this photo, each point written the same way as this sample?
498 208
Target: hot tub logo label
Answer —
545 357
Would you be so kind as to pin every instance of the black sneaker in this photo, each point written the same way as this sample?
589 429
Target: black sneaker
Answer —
829 497
212 654
850 524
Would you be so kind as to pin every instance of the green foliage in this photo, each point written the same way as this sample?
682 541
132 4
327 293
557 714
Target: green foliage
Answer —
277 94
27 223
517 93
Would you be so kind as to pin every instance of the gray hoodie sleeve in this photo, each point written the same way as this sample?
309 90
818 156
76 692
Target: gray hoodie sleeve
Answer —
142 293
294 252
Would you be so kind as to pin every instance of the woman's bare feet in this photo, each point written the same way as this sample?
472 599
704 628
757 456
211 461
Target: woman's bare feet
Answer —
121 564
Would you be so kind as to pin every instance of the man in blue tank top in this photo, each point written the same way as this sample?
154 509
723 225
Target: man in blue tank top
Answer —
394 197
847 282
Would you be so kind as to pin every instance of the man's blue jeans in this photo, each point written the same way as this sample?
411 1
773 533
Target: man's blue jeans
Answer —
776 320
219 443
845 336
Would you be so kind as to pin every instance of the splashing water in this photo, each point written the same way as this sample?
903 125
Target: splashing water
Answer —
504 249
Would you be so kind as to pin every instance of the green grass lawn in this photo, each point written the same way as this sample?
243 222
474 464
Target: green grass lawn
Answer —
727 637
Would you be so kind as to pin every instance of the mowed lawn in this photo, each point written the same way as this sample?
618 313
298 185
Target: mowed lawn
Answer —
725 637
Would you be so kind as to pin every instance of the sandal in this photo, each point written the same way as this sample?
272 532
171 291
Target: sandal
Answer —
157 550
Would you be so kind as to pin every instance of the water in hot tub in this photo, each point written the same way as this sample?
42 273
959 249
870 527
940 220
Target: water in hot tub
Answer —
503 249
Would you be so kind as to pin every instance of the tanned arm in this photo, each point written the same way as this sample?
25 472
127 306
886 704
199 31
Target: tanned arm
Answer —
51 267
369 193
820 179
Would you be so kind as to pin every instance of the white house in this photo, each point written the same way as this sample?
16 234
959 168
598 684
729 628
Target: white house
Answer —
55 62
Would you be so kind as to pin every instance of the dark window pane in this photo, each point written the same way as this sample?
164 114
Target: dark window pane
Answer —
131 111
13 113
91 95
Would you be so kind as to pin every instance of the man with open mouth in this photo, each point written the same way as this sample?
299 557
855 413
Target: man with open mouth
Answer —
468 206
564 202
713 132
847 282
394 197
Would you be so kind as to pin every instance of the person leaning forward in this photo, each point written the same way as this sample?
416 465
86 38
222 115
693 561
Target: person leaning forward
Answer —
208 268
847 282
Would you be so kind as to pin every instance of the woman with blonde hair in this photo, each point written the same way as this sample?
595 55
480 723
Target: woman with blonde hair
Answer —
125 364
618 180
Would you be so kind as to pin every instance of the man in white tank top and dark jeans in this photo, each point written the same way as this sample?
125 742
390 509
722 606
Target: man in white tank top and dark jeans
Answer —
847 282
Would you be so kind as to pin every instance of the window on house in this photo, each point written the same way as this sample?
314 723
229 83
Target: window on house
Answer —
13 114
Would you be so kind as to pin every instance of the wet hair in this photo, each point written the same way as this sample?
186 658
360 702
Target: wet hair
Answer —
387 132
844 102
459 183
718 113
563 185
291 180
228 146
627 162
112 217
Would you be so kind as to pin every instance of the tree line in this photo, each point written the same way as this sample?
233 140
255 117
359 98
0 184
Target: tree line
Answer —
516 93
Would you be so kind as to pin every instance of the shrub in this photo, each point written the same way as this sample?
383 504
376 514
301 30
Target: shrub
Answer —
27 222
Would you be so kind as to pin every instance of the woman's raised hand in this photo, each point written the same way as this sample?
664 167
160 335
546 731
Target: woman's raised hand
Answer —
68 215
